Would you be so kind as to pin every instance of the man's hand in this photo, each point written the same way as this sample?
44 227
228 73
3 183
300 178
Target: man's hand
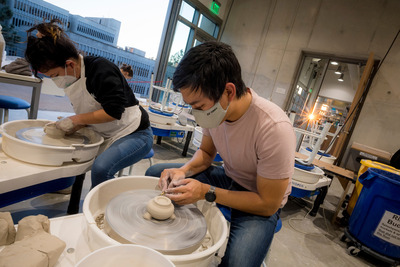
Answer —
168 176
186 191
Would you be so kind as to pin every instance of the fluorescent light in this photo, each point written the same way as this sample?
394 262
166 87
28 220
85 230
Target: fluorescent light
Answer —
340 78
334 63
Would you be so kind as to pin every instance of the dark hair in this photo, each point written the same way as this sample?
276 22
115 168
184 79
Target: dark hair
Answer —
127 68
208 67
50 49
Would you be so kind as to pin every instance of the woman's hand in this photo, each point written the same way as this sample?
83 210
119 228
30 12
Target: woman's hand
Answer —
69 125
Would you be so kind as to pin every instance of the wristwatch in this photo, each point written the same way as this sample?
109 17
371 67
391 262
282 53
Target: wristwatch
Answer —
210 195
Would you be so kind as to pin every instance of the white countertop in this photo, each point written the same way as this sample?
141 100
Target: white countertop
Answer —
16 174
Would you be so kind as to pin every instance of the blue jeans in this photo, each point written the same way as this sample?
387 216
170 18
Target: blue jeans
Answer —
122 153
250 235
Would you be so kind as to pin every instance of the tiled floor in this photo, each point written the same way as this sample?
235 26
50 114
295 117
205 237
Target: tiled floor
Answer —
302 241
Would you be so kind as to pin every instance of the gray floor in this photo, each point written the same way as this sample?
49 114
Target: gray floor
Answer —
302 241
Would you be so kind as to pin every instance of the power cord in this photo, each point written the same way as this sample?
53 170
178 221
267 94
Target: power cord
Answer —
301 219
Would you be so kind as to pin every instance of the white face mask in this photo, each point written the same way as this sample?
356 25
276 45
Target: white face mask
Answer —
210 118
64 81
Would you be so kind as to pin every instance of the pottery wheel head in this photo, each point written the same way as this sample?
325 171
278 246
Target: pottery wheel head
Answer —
124 218
37 135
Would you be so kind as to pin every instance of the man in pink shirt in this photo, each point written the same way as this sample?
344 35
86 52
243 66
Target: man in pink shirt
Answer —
253 136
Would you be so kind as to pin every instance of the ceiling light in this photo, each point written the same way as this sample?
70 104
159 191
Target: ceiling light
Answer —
334 63
340 78
339 70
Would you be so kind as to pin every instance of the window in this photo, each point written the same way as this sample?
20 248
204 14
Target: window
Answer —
187 11
193 25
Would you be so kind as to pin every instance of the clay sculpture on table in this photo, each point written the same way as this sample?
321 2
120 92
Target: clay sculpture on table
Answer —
34 245
7 229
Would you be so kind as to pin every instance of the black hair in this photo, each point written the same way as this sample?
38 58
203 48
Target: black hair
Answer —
208 67
51 48
127 68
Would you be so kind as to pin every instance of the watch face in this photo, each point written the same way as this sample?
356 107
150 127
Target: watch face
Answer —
210 197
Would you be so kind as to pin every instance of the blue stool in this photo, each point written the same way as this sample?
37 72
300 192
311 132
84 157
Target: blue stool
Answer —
149 156
10 102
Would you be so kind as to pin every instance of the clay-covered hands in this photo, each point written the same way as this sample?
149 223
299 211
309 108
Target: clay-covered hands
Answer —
168 176
69 125
186 191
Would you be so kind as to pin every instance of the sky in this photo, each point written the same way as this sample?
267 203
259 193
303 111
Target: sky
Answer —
141 21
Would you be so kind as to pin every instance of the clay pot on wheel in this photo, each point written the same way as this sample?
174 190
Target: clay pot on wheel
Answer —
52 131
160 208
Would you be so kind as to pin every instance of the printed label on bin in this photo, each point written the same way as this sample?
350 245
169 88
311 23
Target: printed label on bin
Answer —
389 228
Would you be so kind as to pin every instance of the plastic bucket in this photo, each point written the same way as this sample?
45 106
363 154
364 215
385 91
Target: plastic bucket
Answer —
375 221
365 164
126 255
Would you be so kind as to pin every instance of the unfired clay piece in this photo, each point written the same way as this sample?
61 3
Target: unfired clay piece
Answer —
32 224
7 229
46 243
15 255
160 208
34 246
52 131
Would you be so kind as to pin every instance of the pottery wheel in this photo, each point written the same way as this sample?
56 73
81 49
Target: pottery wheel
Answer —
36 135
124 214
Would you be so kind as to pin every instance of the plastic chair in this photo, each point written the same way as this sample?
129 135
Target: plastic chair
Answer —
11 102
149 156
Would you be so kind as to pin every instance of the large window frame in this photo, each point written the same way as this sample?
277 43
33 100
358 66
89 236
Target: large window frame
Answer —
196 34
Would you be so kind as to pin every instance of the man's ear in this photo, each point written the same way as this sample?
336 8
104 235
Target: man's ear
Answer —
230 89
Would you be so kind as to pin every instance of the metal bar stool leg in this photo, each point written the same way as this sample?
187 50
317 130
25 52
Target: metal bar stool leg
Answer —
5 115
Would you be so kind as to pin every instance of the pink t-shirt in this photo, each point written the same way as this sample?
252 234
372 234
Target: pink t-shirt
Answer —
261 142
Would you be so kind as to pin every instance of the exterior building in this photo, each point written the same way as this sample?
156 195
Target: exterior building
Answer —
93 36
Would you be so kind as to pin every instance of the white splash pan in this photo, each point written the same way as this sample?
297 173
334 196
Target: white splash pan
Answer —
97 199
45 154
329 160
161 119
310 177
125 255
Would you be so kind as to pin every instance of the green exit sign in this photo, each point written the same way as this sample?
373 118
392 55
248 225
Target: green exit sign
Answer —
215 7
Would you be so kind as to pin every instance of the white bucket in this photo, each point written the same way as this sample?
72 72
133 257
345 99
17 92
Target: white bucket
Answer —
126 255
97 199
310 177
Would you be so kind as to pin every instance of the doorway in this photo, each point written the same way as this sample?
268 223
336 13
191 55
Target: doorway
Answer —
323 91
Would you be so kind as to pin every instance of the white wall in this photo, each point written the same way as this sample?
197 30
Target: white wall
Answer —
331 88
269 35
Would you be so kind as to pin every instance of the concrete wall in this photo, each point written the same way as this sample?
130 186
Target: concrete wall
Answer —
331 88
269 35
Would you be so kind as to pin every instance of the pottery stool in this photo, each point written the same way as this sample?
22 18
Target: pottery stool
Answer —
149 156
11 102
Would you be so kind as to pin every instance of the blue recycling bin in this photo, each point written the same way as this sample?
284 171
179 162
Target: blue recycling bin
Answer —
375 221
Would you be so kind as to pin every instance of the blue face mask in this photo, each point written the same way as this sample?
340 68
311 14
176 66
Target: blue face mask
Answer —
210 118
64 81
